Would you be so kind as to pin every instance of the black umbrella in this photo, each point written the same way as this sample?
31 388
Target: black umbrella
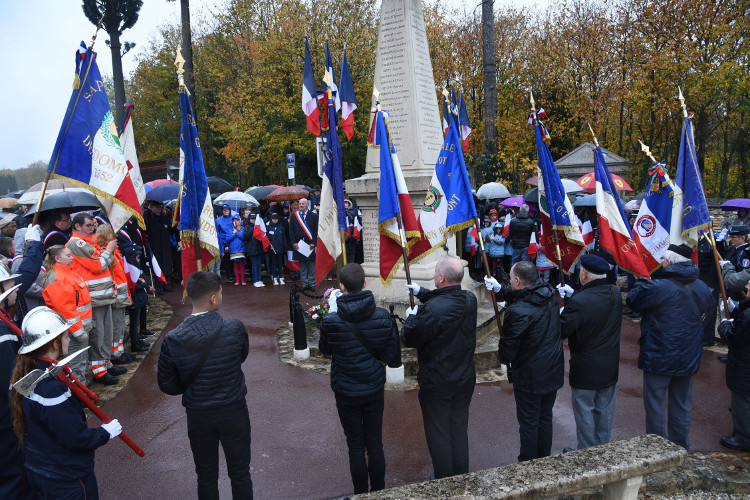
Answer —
75 201
532 196
14 194
163 193
218 185
260 192
639 196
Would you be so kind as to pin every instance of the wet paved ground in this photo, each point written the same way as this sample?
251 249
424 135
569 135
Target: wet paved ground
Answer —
298 447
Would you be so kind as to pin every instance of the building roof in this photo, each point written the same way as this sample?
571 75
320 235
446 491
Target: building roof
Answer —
580 161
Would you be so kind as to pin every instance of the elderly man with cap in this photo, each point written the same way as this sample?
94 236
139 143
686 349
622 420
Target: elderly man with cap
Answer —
8 226
158 229
591 322
674 307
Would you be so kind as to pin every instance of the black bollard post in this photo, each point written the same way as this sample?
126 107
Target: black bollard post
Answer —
293 297
298 325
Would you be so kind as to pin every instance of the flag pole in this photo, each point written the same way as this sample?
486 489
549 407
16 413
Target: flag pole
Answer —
487 271
558 253
328 78
710 232
76 84
399 217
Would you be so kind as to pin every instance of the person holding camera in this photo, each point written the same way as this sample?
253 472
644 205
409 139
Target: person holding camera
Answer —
532 349
360 337
443 330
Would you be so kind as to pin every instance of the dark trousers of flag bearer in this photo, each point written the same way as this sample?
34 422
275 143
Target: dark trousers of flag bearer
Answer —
118 331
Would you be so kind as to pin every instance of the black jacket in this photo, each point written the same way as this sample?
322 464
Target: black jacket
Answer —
521 227
354 371
220 381
591 322
277 237
296 233
158 231
737 335
445 312
531 340
10 343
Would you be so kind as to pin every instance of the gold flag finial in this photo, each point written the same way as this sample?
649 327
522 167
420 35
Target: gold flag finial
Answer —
647 150
376 93
596 141
681 98
533 103
327 78
446 93
179 62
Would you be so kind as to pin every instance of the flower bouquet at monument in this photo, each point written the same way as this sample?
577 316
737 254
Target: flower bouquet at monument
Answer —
314 315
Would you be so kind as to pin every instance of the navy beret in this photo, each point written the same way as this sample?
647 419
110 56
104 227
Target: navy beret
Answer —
595 264
740 230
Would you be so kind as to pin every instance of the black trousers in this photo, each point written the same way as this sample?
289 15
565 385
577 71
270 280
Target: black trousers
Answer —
534 413
362 420
230 426
13 485
446 429
63 489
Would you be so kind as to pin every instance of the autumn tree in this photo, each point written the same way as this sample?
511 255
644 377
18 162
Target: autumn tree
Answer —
116 16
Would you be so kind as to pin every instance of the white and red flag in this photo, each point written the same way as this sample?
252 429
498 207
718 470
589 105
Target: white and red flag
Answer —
259 232
473 237
533 249
309 94
348 99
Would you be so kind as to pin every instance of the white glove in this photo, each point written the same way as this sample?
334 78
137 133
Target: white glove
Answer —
34 233
565 291
332 307
412 287
492 284
179 246
722 235
412 310
113 428
727 320
732 304
723 263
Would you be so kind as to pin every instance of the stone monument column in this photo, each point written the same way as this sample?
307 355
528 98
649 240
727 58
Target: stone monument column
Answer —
404 78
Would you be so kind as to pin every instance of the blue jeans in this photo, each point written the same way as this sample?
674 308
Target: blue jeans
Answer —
656 389
593 410
255 261
520 254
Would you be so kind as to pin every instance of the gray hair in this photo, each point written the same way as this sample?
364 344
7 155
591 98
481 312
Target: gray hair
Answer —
524 209
674 257
451 268
593 276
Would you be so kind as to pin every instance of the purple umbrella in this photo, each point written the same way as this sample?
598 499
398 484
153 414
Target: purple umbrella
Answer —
735 204
515 201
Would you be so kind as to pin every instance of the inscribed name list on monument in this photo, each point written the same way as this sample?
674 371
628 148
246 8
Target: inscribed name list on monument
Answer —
403 75
371 243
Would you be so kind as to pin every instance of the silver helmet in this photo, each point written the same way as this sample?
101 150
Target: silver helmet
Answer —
5 275
40 326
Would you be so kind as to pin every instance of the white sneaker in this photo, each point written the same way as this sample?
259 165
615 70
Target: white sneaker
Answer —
281 281
275 281
257 284
260 283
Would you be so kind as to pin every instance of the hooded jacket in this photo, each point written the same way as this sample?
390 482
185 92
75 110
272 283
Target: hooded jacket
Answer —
354 371
521 227
671 328
531 340
220 381
91 263
446 312
737 336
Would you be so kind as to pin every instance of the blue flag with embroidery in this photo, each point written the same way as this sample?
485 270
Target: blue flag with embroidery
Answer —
688 178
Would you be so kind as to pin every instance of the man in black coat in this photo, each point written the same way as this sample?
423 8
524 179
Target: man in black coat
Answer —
532 349
202 360
357 375
303 226
158 229
444 332
736 333
591 322
521 228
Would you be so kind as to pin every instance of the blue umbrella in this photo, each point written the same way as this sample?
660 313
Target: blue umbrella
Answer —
164 193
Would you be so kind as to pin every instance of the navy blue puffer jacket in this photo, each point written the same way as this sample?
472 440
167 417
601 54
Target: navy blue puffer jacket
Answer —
354 371
220 381
671 328
737 335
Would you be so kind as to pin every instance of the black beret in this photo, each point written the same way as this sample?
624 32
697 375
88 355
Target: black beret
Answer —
595 264
740 230
683 250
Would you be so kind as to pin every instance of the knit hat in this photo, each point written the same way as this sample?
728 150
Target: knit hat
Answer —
683 250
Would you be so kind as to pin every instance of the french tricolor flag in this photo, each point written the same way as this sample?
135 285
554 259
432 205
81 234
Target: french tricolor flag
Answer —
533 249
506 225
259 232
309 98
348 100
473 237
465 125
615 235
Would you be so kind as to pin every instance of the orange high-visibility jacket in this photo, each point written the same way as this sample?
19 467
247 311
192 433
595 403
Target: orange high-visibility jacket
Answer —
92 264
66 293
122 294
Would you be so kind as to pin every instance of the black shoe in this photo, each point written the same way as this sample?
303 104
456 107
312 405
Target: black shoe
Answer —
122 359
143 336
117 370
139 347
732 443
146 333
107 379
722 357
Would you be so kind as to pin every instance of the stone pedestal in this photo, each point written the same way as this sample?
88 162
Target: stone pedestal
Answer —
403 76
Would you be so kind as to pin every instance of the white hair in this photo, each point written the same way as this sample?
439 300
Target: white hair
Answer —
593 276
524 209
674 257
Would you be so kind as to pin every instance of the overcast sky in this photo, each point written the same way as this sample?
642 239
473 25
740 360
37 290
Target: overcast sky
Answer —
38 41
